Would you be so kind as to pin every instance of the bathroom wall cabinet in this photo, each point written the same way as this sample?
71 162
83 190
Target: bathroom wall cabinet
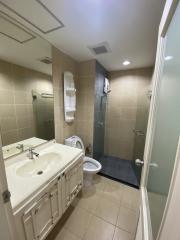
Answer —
37 217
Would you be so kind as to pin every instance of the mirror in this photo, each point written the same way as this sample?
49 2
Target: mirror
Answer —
26 88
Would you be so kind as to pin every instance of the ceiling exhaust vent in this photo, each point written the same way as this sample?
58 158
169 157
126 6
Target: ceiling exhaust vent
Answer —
46 60
100 48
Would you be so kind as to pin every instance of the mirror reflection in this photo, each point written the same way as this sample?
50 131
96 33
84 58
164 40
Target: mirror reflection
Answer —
26 92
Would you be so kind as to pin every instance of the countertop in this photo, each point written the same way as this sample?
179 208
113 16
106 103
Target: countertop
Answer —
23 187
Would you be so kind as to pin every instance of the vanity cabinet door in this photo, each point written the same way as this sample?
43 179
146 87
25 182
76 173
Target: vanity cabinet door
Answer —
80 175
29 226
73 179
40 218
37 220
43 216
71 185
56 203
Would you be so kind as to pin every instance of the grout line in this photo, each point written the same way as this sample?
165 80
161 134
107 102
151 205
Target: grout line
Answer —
87 228
114 233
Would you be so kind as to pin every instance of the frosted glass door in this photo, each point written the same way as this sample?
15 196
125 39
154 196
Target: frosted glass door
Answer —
167 128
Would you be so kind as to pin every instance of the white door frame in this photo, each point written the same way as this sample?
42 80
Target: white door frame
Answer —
7 223
168 13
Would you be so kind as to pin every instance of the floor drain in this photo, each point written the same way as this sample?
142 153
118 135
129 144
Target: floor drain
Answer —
40 172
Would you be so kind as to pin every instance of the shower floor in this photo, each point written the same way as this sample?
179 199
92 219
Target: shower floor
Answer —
119 169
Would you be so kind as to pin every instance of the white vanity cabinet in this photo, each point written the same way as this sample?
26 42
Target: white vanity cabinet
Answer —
36 218
72 183
44 213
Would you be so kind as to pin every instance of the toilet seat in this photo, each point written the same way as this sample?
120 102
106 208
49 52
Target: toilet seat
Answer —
91 165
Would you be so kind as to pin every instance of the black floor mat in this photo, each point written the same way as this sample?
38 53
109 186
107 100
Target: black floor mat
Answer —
119 169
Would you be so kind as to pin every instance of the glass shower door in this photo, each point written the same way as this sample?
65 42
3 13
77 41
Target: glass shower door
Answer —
142 113
167 127
99 113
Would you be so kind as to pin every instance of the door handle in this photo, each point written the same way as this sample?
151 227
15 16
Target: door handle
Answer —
138 132
153 165
101 124
139 162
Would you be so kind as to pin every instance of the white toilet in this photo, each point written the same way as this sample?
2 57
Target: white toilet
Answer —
90 166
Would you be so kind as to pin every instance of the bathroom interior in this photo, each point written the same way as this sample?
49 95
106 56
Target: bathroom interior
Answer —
83 119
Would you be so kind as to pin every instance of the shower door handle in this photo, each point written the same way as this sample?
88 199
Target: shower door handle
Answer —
101 124
138 132
139 162
154 165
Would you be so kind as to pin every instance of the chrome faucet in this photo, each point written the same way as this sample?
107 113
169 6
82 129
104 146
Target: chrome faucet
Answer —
31 153
20 147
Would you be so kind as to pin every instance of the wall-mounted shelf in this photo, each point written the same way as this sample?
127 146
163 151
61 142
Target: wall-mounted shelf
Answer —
71 90
70 109
69 97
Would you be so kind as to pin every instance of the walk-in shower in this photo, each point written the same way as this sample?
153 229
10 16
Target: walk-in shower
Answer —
120 122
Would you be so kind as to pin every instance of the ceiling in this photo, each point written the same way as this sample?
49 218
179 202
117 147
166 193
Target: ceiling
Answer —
129 27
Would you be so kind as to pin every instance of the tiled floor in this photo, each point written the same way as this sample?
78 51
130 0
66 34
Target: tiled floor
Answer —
107 211
119 169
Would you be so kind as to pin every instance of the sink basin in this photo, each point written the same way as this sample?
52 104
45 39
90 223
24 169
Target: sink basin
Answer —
40 165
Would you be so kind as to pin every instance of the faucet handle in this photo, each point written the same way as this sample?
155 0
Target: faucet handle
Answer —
20 145
31 148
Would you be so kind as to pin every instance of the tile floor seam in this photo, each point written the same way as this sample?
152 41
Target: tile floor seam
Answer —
118 205
123 230
83 238
118 214
114 233
104 219
91 212
132 210
87 228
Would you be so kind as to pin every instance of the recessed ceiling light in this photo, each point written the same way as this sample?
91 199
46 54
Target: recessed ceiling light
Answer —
167 58
126 62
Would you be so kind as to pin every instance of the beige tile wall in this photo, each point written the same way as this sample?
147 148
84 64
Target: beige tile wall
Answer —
61 63
16 109
84 73
85 101
127 98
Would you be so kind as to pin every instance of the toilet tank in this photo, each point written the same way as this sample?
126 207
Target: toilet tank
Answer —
69 141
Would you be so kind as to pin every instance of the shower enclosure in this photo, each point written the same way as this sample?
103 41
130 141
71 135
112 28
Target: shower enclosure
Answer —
120 122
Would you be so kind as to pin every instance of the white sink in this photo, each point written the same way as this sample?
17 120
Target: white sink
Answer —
40 165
